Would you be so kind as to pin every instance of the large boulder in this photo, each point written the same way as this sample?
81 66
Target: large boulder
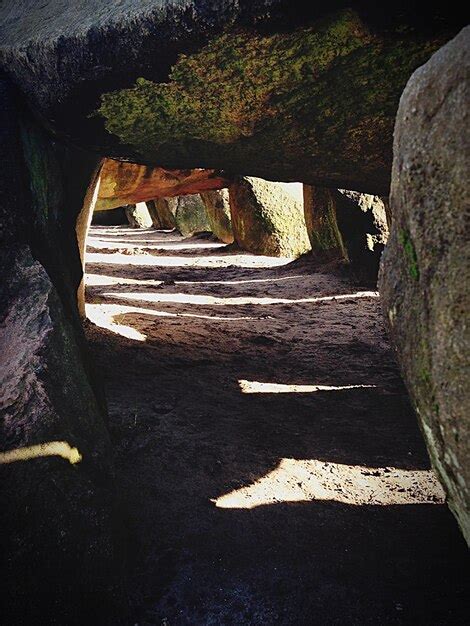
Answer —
138 215
425 270
124 183
218 211
267 220
161 214
347 225
253 87
190 214
57 505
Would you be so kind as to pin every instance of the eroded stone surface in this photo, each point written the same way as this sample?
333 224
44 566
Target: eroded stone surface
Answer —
425 270
138 215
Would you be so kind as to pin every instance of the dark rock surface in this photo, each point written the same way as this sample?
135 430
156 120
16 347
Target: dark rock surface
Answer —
161 214
113 217
347 225
251 87
425 270
57 519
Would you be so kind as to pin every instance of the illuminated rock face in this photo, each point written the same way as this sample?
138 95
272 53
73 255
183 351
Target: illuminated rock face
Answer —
218 211
128 183
425 270
267 220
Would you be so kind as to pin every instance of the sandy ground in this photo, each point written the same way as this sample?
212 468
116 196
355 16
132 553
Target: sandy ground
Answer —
268 458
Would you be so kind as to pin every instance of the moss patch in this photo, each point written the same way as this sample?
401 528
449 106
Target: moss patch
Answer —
410 254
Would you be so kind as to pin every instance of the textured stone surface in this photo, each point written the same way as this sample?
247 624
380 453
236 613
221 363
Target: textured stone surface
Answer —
218 211
190 214
251 87
362 222
346 225
267 220
161 213
128 183
57 519
138 215
322 225
425 270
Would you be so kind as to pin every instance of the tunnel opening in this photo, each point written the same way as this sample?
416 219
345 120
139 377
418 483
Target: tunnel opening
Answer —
210 425
249 397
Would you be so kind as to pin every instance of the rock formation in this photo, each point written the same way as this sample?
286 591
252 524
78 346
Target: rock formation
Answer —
425 270
218 211
128 183
114 217
267 220
346 225
190 214
138 215
57 516
161 214
251 87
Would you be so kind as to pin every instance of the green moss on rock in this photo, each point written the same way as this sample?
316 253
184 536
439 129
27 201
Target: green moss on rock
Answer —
301 93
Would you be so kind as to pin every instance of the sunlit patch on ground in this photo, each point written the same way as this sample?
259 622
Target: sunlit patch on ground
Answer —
296 480
251 386
51 448
184 298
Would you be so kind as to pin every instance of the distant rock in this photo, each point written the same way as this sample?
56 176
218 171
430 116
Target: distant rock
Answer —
218 211
347 225
138 215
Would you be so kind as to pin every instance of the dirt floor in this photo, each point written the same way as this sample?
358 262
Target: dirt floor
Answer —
268 458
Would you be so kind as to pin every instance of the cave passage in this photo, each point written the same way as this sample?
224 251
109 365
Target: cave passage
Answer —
268 458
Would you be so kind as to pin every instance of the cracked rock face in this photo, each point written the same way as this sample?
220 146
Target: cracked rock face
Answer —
425 269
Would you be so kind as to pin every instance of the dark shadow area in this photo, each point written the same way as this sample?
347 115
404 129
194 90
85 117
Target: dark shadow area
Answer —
190 426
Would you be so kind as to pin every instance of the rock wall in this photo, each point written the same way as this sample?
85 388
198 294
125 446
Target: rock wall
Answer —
190 215
57 513
161 214
266 220
425 269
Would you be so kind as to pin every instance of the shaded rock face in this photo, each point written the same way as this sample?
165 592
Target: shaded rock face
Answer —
218 211
57 521
190 214
347 225
114 217
322 225
425 269
124 183
161 214
138 215
251 87
362 222
266 220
